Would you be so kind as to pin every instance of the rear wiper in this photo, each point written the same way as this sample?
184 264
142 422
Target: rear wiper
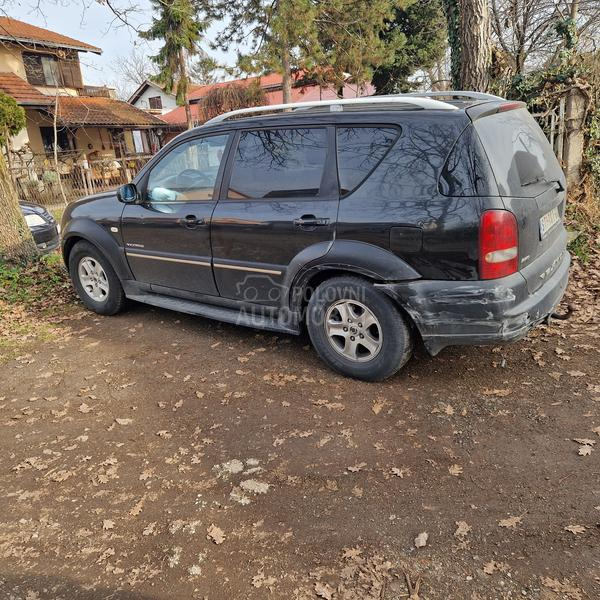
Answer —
554 182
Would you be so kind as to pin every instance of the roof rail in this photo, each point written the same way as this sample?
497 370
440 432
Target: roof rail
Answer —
458 94
338 105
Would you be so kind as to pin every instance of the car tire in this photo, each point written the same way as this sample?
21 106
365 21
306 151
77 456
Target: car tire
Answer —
94 280
338 312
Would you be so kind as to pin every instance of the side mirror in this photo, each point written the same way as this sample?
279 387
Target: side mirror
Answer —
128 193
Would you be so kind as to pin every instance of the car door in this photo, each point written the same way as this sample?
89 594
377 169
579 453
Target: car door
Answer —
167 236
279 203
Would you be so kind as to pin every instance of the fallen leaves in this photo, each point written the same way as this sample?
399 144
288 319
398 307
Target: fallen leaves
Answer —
455 470
356 468
500 393
462 529
564 588
215 534
254 487
491 567
510 522
576 529
324 590
137 509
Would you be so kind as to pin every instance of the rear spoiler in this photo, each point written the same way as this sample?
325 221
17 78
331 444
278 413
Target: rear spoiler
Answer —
485 109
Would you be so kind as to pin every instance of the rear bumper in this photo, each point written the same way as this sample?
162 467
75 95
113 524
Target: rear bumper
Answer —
449 313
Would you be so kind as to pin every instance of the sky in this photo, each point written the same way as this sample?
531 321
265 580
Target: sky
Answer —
94 23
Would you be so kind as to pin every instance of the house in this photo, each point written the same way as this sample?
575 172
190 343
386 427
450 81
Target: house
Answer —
303 90
40 69
152 97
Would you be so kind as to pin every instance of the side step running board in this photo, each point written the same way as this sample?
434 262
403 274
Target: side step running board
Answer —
218 313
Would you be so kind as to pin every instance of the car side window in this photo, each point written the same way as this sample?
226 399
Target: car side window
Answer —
189 172
278 163
359 151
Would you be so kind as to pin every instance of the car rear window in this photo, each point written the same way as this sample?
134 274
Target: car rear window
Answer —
359 151
467 169
278 163
520 155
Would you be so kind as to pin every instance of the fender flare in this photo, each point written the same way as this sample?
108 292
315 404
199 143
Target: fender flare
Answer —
360 258
90 231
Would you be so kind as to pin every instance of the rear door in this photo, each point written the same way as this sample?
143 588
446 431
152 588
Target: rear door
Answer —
279 203
532 185
167 237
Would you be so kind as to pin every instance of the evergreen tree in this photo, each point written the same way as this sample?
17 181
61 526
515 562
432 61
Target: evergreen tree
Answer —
281 35
355 36
176 25
421 27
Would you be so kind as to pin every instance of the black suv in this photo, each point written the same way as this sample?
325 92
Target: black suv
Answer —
373 222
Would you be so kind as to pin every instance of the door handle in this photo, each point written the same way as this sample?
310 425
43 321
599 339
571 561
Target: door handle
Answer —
191 221
310 221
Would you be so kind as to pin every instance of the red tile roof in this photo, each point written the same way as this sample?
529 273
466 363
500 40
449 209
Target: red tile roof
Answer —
271 83
22 92
266 81
14 30
103 112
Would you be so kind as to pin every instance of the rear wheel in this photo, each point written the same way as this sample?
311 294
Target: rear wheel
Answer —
94 279
357 330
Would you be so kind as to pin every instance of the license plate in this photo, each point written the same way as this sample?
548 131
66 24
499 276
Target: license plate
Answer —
548 221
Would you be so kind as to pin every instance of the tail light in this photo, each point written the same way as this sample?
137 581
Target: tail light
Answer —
498 244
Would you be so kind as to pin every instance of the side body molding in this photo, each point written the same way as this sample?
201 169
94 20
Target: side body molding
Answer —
361 258
93 232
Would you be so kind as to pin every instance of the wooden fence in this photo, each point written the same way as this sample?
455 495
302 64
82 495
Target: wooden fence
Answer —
38 180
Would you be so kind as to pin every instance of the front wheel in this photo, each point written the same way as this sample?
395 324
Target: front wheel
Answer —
357 330
94 279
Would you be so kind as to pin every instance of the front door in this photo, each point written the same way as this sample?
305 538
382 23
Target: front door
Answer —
280 204
167 237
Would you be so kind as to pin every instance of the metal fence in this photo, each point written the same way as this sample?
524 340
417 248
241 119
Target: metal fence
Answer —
38 180
553 123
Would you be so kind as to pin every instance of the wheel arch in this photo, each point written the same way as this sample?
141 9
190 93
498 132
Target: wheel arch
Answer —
352 258
91 232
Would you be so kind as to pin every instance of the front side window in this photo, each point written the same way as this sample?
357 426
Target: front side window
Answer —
189 172
359 151
41 69
278 163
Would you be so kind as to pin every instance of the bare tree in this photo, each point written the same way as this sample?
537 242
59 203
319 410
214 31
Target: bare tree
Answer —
525 29
132 70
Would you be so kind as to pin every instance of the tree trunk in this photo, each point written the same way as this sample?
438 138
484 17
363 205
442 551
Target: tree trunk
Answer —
575 109
16 242
476 47
451 8
188 114
182 90
286 81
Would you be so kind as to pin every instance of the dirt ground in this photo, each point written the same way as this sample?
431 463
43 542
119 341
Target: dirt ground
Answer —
154 455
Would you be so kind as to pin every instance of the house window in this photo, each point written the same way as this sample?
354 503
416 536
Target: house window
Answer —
41 69
63 138
155 102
